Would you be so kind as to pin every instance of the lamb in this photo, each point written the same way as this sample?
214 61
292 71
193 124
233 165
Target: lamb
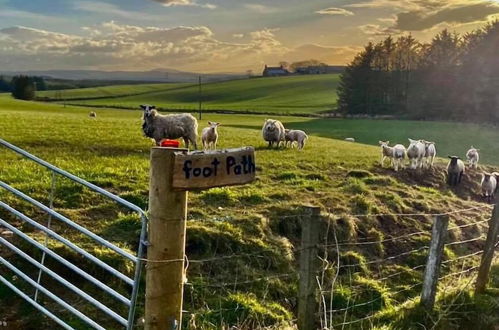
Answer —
92 115
415 153
159 127
430 153
396 154
455 171
273 132
209 135
473 157
489 186
386 152
294 135
496 174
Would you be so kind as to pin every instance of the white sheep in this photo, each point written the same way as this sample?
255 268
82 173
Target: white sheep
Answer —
455 171
273 132
159 127
430 153
386 152
415 153
396 154
294 135
489 186
473 157
92 114
350 139
209 135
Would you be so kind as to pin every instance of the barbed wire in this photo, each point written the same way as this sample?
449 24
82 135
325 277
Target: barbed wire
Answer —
459 272
234 284
462 257
385 259
466 241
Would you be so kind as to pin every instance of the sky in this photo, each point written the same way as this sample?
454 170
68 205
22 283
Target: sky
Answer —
215 35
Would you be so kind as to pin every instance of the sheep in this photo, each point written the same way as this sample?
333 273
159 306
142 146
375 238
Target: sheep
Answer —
273 132
209 135
294 135
473 157
415 153
92 115
455 171
159 127
350 139
496 174
399 154
489 186
396 154
430 153
386 152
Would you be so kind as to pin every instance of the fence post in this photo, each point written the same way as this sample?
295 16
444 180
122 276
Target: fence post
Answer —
307 302
488 252
166 237
432 270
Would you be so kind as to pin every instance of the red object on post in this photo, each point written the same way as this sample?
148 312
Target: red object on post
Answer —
170 143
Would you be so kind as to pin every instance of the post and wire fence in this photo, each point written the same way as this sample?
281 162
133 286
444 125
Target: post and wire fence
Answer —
336 274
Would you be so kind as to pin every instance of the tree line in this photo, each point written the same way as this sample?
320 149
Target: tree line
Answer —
453 77
22 87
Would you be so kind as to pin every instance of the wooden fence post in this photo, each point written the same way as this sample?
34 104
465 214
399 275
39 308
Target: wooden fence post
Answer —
488 252
432 270
307 302
166 236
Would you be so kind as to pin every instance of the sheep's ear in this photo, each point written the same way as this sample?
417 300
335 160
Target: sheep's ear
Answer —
218 124
450 157
153 107
143 106
210 123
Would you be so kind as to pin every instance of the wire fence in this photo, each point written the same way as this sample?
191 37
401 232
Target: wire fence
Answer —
358 276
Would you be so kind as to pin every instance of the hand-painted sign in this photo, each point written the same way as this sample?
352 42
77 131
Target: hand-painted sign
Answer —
208 169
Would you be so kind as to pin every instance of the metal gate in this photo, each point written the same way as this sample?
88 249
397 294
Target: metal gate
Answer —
129 302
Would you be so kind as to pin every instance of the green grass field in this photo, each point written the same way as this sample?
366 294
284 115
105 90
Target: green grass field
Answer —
283 95
262 218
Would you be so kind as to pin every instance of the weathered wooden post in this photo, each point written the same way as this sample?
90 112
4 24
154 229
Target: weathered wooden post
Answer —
307 300
488 252
173 173
432 270
166 236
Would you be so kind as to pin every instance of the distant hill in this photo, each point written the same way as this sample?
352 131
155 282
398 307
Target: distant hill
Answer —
158 75
297 94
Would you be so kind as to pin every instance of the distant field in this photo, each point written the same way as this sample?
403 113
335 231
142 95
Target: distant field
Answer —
283 95
108 91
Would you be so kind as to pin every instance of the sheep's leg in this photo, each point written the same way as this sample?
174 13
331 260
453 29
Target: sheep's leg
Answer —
186 141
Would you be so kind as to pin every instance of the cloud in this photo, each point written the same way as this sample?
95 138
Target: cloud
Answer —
238 35
262 9
451 14
335 11
116 46
327 54
377 30
169 3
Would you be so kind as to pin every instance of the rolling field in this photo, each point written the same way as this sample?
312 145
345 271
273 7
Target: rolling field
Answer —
343 178
283 95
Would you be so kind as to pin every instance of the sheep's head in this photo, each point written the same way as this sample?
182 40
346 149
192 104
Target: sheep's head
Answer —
149 114
270 125
384 143
149 110
213 124
486 176
453 159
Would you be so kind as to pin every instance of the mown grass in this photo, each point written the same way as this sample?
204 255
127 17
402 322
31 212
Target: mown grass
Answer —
259 219
108 91
283 95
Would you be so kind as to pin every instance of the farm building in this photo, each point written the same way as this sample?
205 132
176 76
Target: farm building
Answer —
274 71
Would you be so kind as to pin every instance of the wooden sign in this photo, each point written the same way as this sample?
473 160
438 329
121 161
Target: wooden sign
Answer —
208 169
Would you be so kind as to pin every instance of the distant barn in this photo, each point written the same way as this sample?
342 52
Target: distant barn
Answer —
275 71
